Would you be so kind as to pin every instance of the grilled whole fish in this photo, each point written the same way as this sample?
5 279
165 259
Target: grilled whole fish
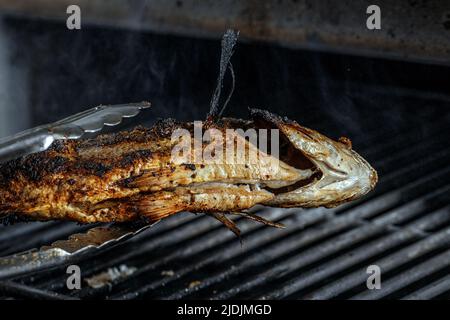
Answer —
132 174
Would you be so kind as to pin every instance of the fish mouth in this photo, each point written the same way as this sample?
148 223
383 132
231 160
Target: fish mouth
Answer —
338 173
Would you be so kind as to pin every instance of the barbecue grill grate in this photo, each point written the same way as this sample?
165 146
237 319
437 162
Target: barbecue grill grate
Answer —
403 227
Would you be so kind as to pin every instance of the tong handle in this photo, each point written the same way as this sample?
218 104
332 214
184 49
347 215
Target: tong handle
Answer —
74 127
31 261
26 142
64 251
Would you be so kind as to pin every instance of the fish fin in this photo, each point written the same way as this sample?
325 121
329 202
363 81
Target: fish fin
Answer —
227 223
149 178
254 217
157 208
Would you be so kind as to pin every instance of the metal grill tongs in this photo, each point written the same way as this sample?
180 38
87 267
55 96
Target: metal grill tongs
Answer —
81 244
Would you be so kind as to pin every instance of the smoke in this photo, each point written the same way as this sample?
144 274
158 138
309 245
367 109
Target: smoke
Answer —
14 89
62 72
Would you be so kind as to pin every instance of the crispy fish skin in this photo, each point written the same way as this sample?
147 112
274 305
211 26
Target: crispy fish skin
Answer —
129 175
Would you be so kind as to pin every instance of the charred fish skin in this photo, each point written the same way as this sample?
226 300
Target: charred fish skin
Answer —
131 174
115 177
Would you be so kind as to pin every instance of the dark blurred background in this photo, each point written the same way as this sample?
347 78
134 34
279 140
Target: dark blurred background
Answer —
49 72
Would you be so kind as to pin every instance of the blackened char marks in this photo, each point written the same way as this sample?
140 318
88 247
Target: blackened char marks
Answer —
33 167
101 167
163 128
189 166
266 116
65 147
129 158
8 170
36 166
92 168
138 135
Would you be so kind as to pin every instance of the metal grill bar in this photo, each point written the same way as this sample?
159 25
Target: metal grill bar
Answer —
408 276
355 279
24 291
252 242
39 235
432 290
214 236
298 262
334 243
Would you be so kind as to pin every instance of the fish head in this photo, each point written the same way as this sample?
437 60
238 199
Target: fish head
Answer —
340 173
